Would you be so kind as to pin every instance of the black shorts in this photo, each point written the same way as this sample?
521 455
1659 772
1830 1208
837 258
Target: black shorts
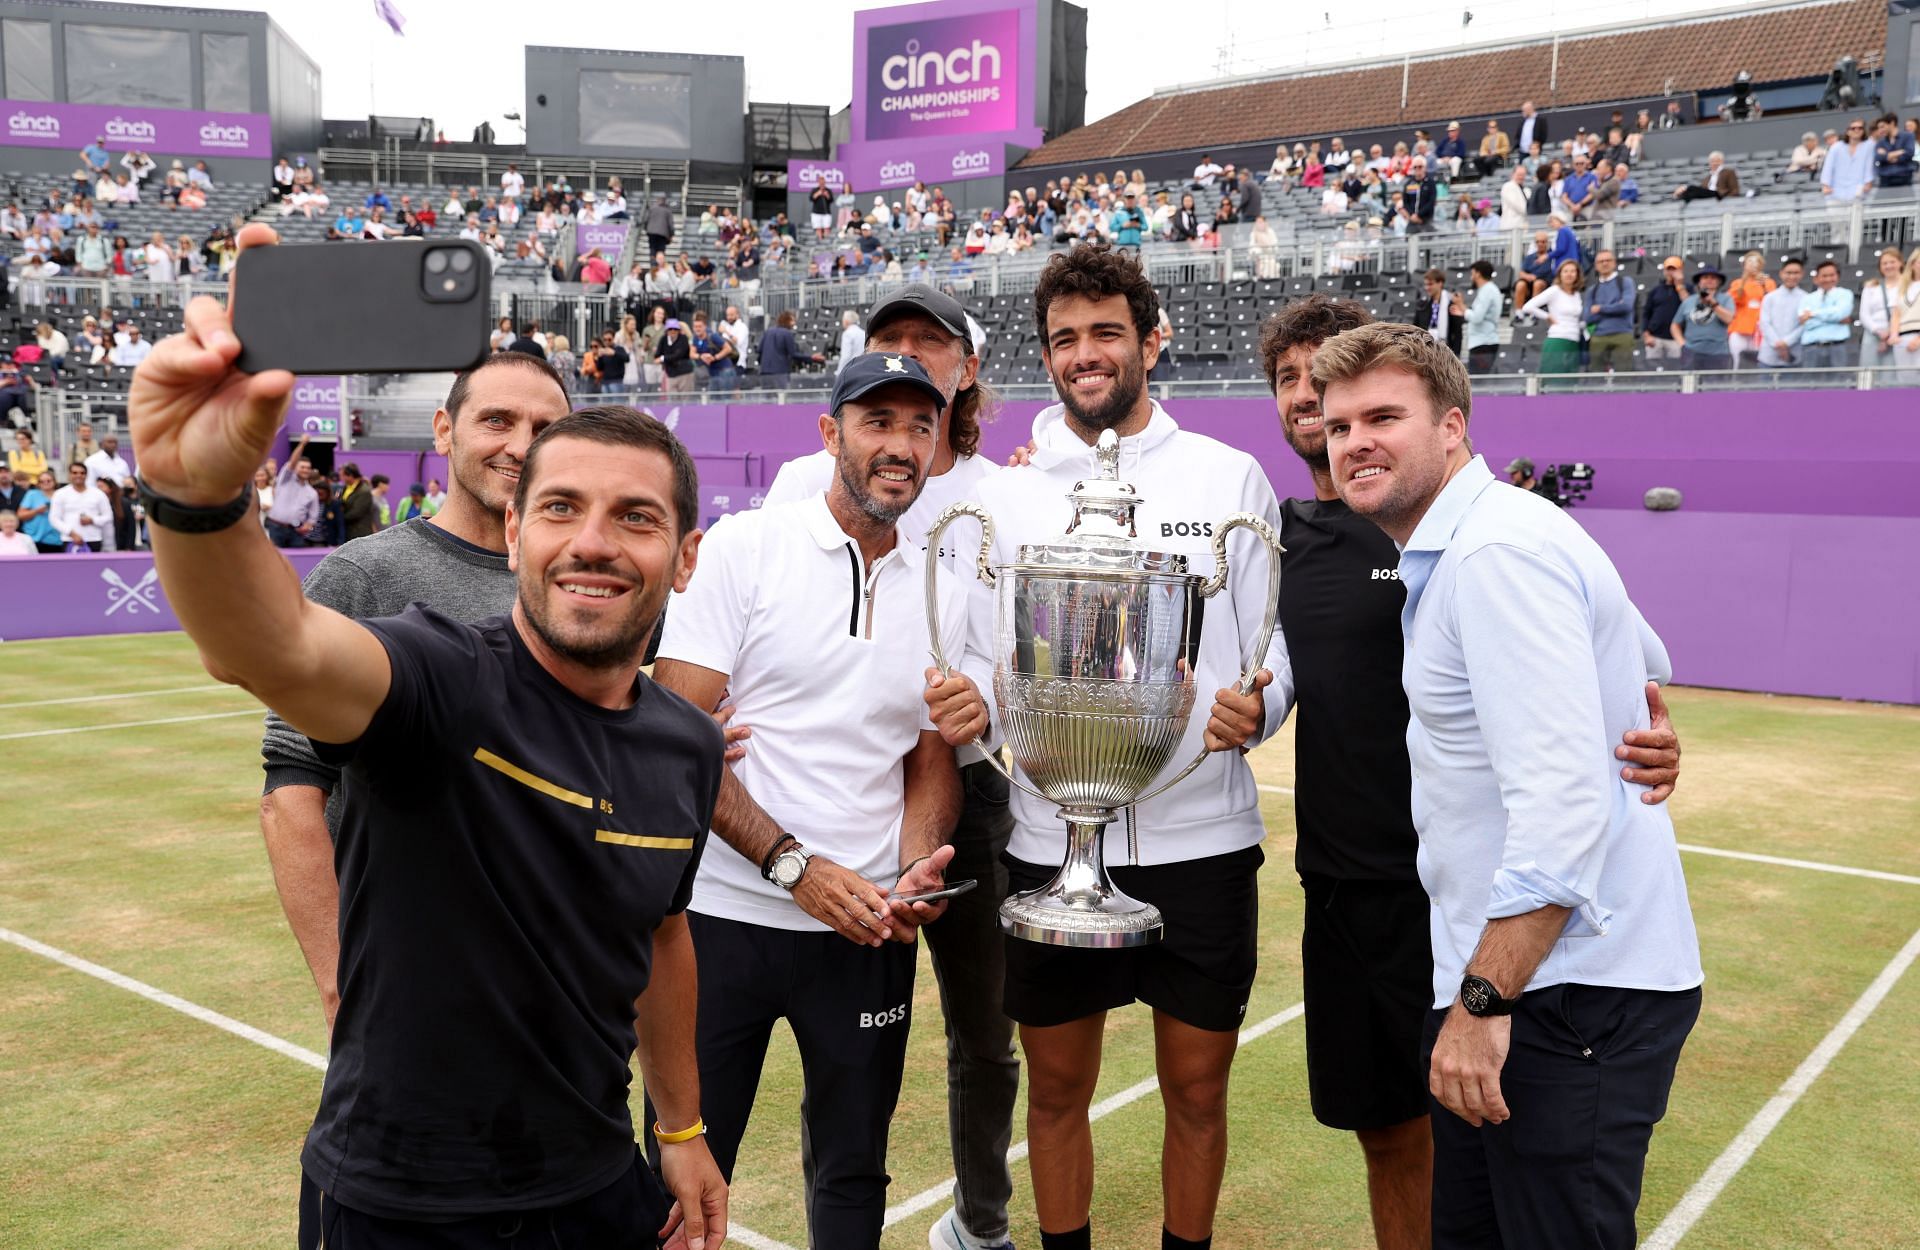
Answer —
1200 973
1366 957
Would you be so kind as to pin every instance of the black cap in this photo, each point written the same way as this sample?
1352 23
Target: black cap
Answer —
921 298
873 370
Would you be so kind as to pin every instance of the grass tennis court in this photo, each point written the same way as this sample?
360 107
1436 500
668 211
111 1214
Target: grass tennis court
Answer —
128 1123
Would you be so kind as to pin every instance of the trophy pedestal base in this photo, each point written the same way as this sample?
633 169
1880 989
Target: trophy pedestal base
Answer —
1059 918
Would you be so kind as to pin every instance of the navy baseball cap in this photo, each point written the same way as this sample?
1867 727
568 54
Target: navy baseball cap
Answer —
921 298
874 370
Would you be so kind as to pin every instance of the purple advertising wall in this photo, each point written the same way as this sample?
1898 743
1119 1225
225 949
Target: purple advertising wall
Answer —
610 237
173 132
951 67
886 166
313 411
76 596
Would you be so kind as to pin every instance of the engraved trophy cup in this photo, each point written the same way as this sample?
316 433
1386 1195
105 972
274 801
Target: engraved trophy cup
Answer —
1095 643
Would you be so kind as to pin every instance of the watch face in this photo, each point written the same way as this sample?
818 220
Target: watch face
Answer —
1474 996
786 870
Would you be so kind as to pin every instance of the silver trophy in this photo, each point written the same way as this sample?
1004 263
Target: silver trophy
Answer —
1095 643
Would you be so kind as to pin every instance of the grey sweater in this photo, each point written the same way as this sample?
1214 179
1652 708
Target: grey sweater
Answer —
379 575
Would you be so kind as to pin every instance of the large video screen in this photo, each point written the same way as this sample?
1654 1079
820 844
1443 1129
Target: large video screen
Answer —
636 109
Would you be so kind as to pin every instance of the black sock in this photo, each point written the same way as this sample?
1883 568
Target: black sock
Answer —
1169 1242
1080 1238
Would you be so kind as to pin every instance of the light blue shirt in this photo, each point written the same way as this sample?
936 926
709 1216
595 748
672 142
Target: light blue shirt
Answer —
1849 173
1780 323
1525 663
1832 315
1483 317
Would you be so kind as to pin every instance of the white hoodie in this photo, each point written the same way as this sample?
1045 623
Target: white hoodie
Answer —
1188 483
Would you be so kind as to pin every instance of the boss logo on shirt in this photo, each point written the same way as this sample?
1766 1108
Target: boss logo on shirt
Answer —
881 1019
1186 529
1386 575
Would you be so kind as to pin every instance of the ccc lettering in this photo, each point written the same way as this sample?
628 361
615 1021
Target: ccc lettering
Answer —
1186 529
881 1019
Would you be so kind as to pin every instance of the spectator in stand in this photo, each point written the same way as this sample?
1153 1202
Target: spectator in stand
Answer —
80 512
107 462
1807 158
13 222
1225 215
853 339
512 184
1881 307
1529 130
95 157
1313 174
1482 337
1495 148
1826 319
675 358
1672 118
130 353
13 495
12 541
1577 190
565 363
199 177
594 269
1206 173
1566 245
1536 269
1544 197
1908 357
1333 200
53 345
1848 172
1629 189
1452 150
820 208
1565 312
1610 304
330 530
1779 332
1893 150
659 226
1422 195
1443 312
1283 166
780 351
35 510
1605 203
1719 182
1616 149
1701 324
713 351
1247 203
1747 291
357 511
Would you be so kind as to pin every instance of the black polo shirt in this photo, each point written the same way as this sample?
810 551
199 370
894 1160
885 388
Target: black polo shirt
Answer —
506 850
1340 602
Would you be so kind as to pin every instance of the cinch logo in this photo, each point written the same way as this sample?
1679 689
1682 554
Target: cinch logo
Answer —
1186 529
130 132
216 135
969 162
24 123
897 169
919 69
814 175
881 1019
1386 575
314 393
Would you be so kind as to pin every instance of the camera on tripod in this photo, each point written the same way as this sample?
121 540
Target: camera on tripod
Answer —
1566 484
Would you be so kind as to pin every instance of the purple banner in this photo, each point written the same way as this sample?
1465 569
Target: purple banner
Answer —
84 595
609 237
314 410
952 67
169 132
888 166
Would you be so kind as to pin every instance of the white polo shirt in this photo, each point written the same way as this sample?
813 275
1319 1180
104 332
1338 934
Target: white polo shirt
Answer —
825 657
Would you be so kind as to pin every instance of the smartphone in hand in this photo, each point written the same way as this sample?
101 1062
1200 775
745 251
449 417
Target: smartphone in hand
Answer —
395 307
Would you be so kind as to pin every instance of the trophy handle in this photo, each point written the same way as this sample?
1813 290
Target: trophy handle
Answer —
952 513
1213 586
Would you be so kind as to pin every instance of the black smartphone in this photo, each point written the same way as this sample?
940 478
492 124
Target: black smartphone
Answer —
957 888
398 307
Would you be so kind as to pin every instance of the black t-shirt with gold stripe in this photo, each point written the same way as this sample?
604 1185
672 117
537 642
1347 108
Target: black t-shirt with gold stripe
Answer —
506 850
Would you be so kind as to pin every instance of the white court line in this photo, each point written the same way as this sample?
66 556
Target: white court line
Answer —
1275 790
130 694
205 1015
280 1046
1809 864
1100 1110
130 724
1697 1199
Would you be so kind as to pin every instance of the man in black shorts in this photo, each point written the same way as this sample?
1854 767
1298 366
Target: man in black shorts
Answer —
522 819
1366 956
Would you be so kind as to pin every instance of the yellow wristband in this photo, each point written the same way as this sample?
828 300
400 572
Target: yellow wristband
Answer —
692 1131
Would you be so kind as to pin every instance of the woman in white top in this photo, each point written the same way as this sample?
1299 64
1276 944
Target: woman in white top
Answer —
159 259
1333 200
628 337
1513 199
1566 318
1880 305
263 491
1807 158
1907 351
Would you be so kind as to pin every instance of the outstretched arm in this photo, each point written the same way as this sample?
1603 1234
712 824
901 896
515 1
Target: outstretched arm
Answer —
200 427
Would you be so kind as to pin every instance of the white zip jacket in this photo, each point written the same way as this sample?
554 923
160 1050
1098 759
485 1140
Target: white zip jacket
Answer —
1189 483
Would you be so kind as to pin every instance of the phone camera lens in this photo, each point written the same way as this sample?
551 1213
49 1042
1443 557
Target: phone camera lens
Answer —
461 260
437 260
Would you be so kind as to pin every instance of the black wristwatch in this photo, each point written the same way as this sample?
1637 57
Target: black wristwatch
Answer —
187 519
1480 998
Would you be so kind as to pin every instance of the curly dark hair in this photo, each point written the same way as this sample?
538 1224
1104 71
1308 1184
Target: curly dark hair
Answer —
1096 271
1309 322
979 402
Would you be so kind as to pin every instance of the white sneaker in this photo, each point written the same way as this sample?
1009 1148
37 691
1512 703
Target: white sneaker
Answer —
947 1234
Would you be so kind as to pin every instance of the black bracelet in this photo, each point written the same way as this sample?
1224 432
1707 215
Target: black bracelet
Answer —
773 853
189 519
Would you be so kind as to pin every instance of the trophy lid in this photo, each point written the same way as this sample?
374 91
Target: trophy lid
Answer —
1102 535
